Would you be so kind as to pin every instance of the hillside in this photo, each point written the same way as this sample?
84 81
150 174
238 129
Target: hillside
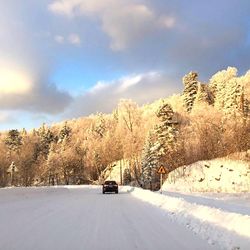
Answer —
205 121
217 175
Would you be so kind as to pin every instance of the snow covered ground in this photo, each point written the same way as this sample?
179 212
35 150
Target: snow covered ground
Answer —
82 217
217 175
222 219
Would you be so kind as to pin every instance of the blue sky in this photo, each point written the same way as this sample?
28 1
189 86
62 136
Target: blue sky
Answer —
61 59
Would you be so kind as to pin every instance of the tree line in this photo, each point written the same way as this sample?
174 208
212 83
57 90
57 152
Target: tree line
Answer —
205 121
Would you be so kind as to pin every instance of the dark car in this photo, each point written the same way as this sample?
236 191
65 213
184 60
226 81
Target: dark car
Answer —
110 186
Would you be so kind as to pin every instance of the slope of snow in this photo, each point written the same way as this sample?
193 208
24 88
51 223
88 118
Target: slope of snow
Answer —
225 224
81 217
218 175
235 203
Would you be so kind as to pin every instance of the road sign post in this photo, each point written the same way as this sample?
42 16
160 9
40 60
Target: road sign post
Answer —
161 171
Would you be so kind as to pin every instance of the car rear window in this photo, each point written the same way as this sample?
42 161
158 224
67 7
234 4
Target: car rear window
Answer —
110 182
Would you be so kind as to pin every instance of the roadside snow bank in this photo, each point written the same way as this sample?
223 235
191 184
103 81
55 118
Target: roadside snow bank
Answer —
217 175
222 228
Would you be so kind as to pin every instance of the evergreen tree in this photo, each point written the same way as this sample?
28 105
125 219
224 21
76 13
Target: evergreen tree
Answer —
64 132
233 97
167 129
218 86
150 159
24 132
126 176
46 138
203 95
245 107
190 82
13 140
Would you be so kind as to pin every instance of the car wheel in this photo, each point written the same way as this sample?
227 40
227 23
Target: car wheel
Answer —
103 192
116 192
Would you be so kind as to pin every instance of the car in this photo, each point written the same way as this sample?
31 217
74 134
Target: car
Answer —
110 186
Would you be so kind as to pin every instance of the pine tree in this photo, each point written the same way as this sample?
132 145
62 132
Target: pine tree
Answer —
203 95
245 108
167 129
46 138
126 176
190 82
150 159
233 97
13 140
218 86
64 133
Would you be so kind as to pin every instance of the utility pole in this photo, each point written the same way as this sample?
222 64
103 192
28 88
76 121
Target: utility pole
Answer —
161 184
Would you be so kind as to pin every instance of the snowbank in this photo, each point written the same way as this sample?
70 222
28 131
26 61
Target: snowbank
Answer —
225 229
218 175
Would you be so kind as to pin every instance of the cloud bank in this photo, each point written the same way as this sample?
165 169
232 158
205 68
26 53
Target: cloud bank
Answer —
123 21
50 48
104 96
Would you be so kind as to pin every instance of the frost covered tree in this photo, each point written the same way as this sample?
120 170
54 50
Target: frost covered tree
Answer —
166 130
244 81
150 162
218 85
233 98
64 132
126 176
229 93
203 95
190 82
13 140
46 138
100 127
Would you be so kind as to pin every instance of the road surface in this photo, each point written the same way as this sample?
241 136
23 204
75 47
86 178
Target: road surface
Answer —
83 218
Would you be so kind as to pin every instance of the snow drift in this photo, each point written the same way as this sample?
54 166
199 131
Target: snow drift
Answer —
221 227
218 175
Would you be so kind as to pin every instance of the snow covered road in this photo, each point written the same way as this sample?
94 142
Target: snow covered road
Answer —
83 218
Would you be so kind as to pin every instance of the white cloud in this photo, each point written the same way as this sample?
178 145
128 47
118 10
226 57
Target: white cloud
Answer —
7 118
21 90
59 39
74 39
124 21
14 81
104 96
167 22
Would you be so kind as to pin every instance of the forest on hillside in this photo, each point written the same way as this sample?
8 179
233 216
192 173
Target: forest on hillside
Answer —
205 121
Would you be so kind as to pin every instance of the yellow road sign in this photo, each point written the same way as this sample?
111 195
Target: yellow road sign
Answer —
161 170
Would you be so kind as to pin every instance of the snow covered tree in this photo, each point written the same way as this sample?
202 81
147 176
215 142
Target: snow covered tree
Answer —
150 162
245 108
218 85
190 82
166 130
13 140
46 138
64 132
126 176
233 98
100 126
203 95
